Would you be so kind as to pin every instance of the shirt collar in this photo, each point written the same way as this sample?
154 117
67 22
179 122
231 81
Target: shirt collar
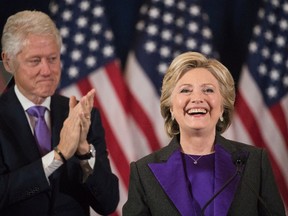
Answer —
26 103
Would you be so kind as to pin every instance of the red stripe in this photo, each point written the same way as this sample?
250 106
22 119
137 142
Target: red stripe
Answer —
131 105
251 126
279 117
114 214
144 123
113 145
115 76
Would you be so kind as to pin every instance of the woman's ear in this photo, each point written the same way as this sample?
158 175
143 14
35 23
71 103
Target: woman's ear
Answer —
7 62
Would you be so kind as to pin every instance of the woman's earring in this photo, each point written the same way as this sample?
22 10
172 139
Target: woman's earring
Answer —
172 116
221 118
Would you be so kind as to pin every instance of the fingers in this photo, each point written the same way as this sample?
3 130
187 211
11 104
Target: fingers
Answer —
87 102
72 102
85 120
77 124
85 106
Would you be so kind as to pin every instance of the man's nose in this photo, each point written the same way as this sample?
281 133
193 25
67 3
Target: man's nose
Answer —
45 66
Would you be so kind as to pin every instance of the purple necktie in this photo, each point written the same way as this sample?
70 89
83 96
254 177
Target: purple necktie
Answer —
41 130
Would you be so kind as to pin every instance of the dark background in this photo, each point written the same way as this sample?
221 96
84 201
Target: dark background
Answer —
231 23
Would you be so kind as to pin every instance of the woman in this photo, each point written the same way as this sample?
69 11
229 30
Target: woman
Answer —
200 172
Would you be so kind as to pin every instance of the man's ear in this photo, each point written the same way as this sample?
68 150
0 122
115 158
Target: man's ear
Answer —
7 62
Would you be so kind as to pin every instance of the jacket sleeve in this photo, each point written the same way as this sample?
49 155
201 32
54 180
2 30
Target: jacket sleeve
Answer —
18 183
136 203
269 190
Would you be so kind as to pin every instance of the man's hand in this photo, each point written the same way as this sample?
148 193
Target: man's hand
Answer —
75 128
86 104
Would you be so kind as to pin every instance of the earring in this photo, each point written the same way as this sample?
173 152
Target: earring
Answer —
221 118
172 116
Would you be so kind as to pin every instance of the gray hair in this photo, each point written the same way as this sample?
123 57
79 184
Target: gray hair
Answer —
21 24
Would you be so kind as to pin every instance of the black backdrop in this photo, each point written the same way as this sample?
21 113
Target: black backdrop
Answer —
231 23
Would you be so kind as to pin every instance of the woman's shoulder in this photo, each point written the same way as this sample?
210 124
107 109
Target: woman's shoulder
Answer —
237 145
161 154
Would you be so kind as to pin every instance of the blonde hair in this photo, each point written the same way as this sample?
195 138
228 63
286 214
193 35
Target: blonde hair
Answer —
21 24
179 66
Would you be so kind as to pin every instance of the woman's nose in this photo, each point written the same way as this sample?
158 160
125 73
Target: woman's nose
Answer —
196 97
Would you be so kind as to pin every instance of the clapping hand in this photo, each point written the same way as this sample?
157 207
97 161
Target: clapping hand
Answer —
76 126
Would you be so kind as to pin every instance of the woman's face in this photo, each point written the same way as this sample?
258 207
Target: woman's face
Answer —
196 102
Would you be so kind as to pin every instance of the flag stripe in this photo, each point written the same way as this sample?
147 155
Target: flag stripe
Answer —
251 125
135 109
114 123
255 118
262 117
115 151
113 147
145 94
144 123
278 115
111 108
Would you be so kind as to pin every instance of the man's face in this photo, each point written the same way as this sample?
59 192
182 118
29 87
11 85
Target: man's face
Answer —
37 67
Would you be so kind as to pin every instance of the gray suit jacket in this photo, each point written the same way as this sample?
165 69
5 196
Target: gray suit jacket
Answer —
158 186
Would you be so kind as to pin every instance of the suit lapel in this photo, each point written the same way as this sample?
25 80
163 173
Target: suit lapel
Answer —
172 179
224 169
18 127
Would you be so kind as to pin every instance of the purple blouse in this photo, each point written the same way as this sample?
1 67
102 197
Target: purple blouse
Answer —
200 177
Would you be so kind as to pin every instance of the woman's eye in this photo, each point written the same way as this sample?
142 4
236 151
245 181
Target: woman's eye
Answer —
208 90
185 91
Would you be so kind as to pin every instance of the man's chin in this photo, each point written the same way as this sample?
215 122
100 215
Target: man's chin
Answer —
47 93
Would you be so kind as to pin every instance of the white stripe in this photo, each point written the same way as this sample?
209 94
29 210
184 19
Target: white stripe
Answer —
113 110
144 92
237 131
141 145
273 138
71 90
284 105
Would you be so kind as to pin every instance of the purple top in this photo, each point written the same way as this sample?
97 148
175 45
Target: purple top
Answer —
201 177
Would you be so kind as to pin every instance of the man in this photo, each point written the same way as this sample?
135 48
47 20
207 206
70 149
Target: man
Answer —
73 172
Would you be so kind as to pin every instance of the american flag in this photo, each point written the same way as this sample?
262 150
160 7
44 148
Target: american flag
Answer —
261 110
130 108
164 30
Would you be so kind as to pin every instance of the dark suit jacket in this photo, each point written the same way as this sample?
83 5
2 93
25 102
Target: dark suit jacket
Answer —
24 189
158 185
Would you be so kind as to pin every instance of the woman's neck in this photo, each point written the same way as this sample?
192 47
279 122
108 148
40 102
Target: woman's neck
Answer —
197 144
